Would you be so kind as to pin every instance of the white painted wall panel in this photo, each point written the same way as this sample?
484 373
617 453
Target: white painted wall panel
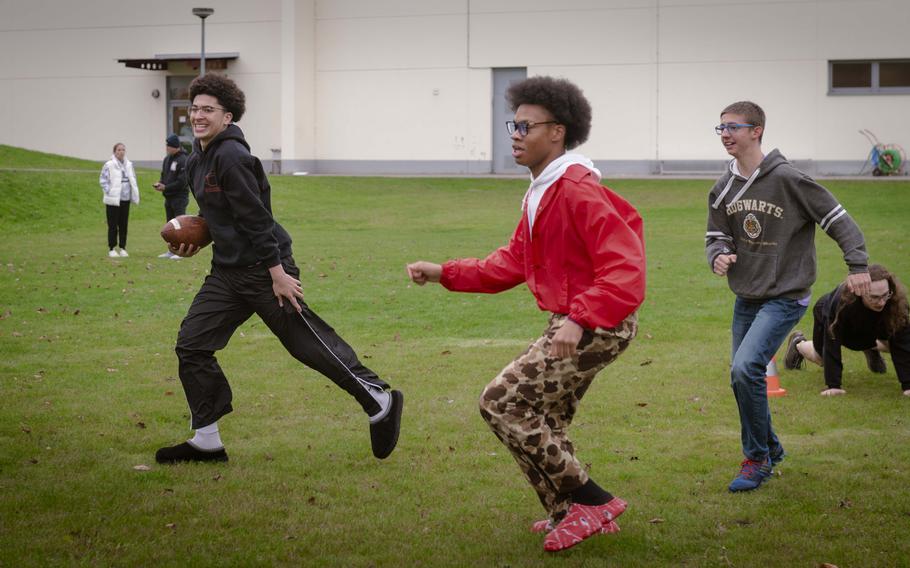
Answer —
326 9
424 114
592 37
392 43
765 31
564 6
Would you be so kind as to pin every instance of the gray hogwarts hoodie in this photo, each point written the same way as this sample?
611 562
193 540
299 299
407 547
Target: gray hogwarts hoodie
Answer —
768 221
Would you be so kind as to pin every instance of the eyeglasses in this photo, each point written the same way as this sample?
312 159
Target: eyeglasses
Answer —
524 127
879 298
203 109
731 127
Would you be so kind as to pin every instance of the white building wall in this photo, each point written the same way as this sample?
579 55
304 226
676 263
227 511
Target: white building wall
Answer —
405 85
63 90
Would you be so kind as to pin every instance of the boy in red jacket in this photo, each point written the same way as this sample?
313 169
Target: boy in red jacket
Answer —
580 249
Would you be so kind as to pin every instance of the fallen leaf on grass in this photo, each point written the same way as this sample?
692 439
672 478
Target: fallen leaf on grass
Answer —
216 477
827 565
446 352
645 362
168 393
171 525
845 503
140 424
641 404
656 521
142 467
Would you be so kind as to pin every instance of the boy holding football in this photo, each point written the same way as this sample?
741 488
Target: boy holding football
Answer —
252 271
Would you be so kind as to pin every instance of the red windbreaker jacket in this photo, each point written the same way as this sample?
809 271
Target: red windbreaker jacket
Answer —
585 256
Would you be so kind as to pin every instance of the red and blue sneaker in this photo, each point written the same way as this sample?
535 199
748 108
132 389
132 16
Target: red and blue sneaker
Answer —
751 475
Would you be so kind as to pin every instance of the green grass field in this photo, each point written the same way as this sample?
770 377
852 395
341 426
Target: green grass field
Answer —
89 391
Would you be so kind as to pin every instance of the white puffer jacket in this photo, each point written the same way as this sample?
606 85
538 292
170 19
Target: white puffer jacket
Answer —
111 183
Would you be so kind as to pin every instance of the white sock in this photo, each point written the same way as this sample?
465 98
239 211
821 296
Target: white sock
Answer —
385 402
207 438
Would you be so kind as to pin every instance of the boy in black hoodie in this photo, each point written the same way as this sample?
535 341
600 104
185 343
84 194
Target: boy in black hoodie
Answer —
252 271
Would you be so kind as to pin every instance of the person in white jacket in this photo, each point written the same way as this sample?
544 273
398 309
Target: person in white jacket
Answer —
118 182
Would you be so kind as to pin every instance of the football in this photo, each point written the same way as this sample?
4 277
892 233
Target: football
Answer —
186 229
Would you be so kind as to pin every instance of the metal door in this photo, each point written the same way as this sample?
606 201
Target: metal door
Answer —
503 163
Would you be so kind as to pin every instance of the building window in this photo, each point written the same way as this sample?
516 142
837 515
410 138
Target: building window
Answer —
883 77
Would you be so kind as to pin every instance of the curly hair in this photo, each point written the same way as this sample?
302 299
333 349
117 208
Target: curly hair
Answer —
564 100
896 311
225 90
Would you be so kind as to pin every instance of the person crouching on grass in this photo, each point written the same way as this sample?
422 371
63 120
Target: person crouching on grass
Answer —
253 271
580 249
879 322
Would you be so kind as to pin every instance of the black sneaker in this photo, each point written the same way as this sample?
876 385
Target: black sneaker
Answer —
875 361
793 359
384 434
187 452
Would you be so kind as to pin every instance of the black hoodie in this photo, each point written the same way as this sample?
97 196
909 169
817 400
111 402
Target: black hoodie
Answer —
234 196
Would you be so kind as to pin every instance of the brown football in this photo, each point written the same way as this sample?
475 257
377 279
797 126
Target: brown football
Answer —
186 229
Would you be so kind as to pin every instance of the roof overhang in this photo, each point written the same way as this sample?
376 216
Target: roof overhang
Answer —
160 61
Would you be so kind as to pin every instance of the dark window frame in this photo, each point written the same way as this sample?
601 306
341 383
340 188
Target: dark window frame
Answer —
874 88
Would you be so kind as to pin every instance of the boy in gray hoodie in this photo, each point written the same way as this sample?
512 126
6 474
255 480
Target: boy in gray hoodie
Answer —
761 235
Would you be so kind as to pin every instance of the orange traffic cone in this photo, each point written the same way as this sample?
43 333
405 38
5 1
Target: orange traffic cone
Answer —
772 380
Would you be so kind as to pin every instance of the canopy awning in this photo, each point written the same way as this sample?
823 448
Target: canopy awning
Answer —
160 61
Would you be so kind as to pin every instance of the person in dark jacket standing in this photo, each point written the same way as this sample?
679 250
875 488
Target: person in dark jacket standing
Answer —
762 215
879 323
252 271
173 183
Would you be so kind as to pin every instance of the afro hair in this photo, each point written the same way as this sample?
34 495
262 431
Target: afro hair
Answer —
563 99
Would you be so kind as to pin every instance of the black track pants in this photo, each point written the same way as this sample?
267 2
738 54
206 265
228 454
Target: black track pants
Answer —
227 298
118 218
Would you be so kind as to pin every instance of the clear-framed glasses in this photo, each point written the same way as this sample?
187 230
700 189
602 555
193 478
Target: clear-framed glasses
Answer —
877 298
203 109
523 127
731 127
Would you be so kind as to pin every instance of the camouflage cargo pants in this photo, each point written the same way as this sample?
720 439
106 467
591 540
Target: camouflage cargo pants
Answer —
531 403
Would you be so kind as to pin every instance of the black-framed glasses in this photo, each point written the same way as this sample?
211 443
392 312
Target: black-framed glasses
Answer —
524 126
876 298
731 127
204 109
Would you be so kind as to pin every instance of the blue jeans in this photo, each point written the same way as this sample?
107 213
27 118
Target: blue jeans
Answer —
759 327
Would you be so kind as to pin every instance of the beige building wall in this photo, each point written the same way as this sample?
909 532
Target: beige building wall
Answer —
64 91
405 86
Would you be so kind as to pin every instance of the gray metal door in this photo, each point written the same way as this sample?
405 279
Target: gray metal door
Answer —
502 144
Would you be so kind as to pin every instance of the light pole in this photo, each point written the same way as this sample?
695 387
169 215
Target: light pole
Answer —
203 13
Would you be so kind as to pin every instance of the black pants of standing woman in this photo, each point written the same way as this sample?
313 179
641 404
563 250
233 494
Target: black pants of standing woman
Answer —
117 220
